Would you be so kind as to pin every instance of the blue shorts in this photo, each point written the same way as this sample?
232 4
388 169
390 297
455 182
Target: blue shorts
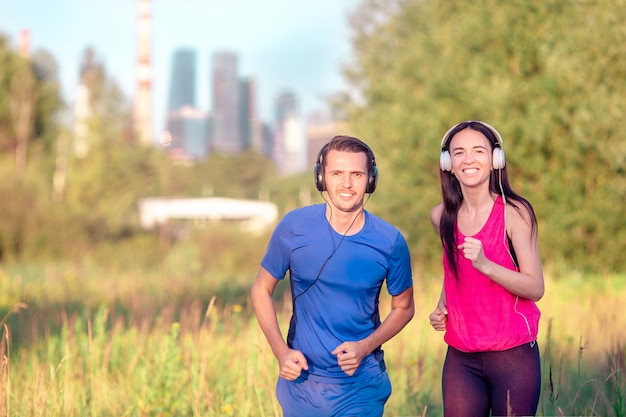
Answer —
305 398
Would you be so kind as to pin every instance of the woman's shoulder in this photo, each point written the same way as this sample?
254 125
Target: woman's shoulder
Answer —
518 215
435 215
521 207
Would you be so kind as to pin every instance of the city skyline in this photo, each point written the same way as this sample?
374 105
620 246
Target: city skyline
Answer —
283 46
231 125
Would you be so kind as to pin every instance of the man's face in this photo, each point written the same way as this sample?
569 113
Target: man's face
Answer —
346 178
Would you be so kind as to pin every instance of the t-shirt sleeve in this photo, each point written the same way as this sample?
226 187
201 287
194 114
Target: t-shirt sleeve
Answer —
400 276
278 252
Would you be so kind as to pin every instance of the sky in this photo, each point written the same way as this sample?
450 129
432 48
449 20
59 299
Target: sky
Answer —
295 45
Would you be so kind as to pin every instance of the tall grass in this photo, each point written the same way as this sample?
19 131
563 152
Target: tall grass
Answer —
88 344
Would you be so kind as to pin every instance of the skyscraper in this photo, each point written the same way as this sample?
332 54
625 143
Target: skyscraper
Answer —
182 80
187 126
250 125
189 131
226 132
289 139
286 106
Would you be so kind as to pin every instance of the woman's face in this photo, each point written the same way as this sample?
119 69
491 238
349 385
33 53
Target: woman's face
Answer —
471 157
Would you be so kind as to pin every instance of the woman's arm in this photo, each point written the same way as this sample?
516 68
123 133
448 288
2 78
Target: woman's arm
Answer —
528 282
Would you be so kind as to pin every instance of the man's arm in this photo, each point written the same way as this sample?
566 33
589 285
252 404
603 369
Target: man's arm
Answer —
291 361
350 354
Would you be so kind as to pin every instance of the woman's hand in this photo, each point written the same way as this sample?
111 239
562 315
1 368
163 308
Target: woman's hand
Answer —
473 251
439 318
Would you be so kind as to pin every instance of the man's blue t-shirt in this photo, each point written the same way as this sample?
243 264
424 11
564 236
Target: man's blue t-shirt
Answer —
335 284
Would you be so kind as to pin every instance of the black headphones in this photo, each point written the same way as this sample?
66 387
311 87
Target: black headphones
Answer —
318 170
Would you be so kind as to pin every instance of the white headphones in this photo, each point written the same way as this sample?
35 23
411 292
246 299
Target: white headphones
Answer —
499 162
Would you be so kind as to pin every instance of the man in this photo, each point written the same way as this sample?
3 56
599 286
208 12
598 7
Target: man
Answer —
338 256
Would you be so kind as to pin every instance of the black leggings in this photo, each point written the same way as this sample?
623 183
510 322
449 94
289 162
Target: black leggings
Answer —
506 383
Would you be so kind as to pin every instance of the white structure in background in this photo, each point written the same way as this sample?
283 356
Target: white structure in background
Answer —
252 214
295 146
290 147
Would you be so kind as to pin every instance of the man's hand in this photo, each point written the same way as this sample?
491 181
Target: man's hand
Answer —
291 363
349 356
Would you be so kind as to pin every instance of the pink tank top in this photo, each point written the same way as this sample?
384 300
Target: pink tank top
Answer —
483 315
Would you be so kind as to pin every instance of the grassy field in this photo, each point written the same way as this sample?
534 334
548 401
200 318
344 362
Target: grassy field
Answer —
79 342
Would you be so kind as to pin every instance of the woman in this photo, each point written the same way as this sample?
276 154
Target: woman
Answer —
492 279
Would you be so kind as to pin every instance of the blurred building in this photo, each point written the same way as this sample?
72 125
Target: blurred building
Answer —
233 125
226 134
249 123
187 126
182 80
189 130
267 140
290 150
319 132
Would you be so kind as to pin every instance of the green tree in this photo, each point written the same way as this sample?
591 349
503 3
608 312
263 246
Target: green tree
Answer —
106 173
29 104
239 176
77 191
550 75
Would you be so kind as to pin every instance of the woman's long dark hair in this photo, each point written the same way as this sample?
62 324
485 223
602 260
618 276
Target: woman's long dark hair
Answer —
453 197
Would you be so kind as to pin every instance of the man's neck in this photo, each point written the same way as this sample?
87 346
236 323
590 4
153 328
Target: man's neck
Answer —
346 223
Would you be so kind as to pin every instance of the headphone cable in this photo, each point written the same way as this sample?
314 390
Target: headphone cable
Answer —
335 248
506 245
